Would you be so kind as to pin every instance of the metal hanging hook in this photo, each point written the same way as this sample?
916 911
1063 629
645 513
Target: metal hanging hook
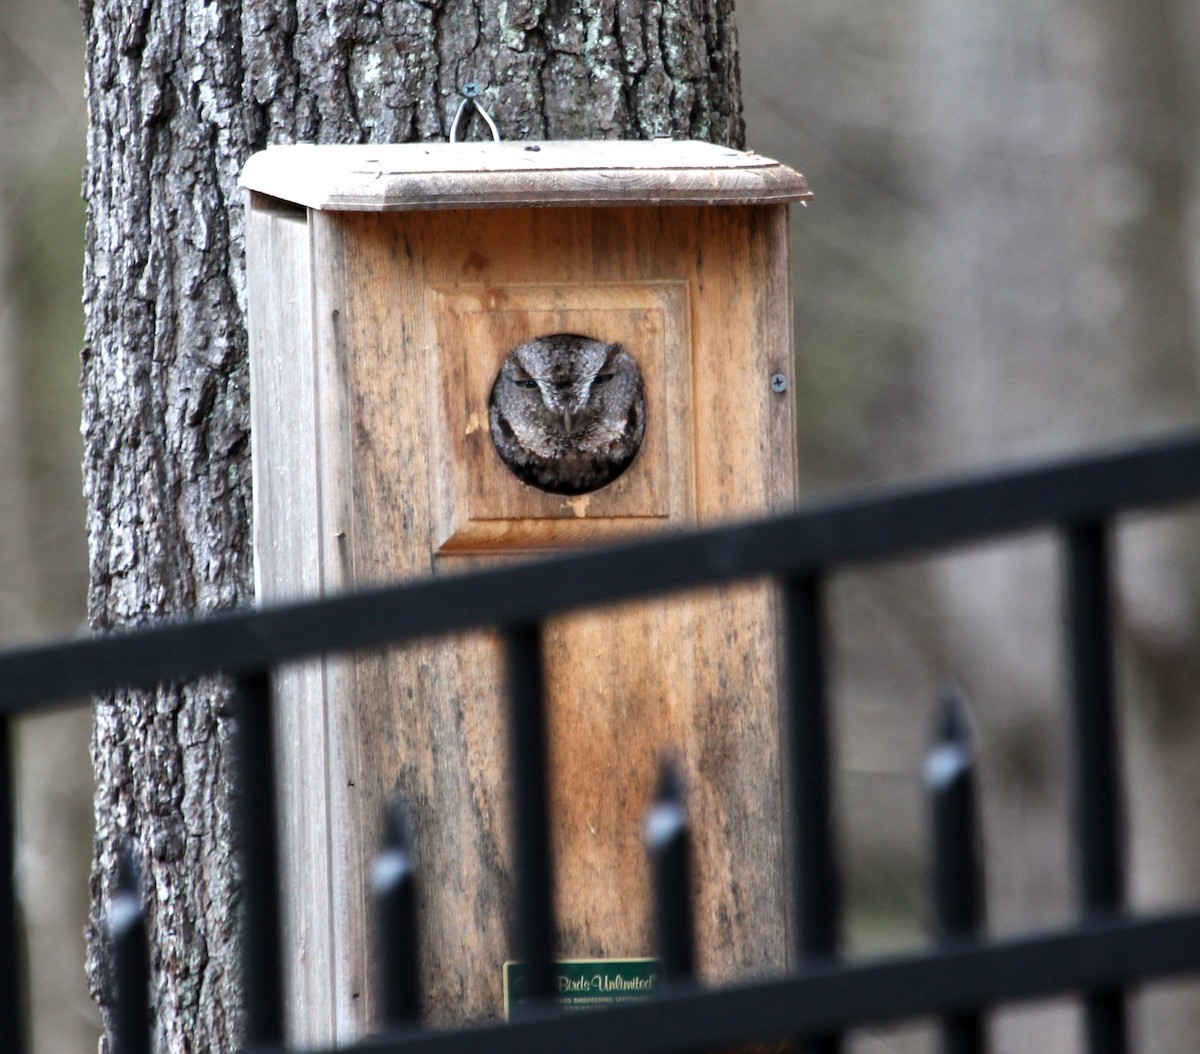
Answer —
470 104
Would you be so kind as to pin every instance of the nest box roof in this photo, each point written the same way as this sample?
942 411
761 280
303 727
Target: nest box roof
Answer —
413 176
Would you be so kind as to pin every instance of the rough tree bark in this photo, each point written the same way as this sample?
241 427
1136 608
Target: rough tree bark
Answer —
179 95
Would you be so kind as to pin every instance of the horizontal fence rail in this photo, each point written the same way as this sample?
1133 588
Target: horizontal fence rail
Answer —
957 981
885 523
822 1000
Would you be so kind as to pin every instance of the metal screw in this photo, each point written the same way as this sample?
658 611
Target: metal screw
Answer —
779 383
472 90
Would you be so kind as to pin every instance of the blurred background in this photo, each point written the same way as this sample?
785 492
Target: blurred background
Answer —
43 558
1000 263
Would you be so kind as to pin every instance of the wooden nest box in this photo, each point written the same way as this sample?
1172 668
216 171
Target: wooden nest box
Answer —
387 286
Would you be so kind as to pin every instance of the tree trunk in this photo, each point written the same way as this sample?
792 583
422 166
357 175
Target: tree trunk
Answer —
179 96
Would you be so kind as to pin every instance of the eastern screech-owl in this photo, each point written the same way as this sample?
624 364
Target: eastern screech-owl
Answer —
568 413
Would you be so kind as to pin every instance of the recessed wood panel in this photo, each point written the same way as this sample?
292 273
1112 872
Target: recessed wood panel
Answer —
477 326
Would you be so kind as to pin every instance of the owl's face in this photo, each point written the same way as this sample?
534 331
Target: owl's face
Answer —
567 413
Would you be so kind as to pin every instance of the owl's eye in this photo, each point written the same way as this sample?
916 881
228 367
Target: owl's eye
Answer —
603 378
529 384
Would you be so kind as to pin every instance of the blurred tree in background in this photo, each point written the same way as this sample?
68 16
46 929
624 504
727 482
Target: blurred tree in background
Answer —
43 559
999 263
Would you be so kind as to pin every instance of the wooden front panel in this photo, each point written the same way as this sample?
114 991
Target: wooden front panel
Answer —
484 506
411 315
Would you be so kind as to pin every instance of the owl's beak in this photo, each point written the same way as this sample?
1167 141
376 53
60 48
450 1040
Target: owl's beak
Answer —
568 421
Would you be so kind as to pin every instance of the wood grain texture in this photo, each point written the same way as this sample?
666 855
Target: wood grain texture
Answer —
394 298
485 509
178 98
424 176
288 564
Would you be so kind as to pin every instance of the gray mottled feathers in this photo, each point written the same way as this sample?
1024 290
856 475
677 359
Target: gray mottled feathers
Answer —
567 413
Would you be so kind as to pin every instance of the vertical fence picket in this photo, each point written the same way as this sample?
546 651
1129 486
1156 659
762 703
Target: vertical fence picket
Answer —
11 1015
394 885
535 924
817 898
258 854
958 885
130 957
1097 766
668 845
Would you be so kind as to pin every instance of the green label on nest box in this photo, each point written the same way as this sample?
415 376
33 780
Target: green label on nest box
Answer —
583 983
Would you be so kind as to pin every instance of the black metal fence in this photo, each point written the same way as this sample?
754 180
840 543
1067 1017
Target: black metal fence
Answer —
957 980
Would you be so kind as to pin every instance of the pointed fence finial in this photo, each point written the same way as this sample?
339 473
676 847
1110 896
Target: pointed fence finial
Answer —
950 777
394 886
130 957
958 884
668 843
